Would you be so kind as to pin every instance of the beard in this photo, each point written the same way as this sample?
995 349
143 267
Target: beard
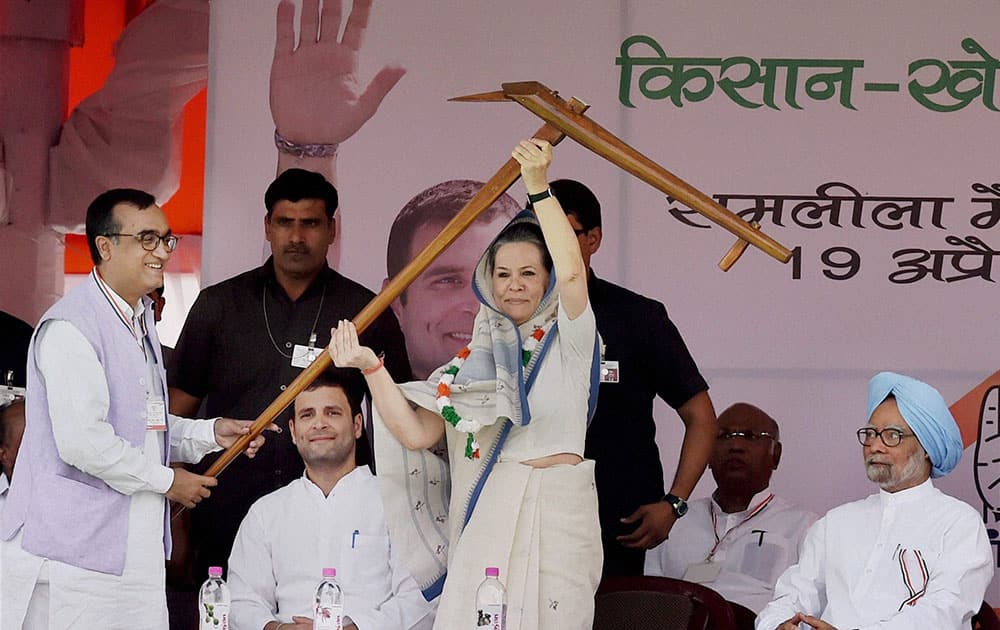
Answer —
890 476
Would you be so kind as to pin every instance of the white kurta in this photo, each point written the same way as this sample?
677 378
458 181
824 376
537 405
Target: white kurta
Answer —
289 536
750 553
70 597
910 560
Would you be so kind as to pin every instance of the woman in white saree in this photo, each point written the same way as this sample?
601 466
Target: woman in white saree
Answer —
514 407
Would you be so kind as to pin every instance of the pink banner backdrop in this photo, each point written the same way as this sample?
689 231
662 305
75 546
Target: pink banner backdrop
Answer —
863 135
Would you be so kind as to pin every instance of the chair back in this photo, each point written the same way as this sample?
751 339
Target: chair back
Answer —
659 603
985 619
744 617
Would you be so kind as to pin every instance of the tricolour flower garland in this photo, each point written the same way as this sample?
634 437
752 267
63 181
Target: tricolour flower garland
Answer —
447 410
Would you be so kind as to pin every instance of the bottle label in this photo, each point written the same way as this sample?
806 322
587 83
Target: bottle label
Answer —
329 618
492 617
214 617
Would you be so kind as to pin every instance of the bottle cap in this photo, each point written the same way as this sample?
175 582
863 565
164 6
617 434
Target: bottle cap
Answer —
214 572
328 572
492 572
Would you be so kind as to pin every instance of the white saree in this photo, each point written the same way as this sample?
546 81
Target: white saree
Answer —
454 516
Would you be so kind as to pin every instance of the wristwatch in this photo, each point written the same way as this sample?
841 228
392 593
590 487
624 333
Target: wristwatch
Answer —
535 198
680 505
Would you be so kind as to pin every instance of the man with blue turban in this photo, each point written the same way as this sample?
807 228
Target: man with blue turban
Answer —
909 557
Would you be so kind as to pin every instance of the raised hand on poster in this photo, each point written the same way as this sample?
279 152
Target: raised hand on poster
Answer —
314 90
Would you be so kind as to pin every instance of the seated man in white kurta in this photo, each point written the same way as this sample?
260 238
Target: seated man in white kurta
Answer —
331 517
742 538
907 558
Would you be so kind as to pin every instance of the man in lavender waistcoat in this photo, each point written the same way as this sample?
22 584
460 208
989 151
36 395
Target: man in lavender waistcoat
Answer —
84 530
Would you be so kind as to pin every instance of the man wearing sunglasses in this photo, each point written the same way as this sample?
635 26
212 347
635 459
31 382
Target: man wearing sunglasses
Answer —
740 540
908 557
83 524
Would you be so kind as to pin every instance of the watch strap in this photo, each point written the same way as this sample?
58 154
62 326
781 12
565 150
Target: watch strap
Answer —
535 198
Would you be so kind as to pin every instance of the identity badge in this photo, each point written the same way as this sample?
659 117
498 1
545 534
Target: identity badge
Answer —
609 371
303 356
156 415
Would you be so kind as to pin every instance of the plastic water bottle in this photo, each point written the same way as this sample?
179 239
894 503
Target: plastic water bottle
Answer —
329 609
491 602
213 602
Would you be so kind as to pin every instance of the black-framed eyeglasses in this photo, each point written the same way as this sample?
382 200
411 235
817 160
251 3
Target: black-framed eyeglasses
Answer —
750 436
151 240
889 436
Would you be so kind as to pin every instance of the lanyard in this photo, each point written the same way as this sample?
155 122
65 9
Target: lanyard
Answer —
715 521
125 319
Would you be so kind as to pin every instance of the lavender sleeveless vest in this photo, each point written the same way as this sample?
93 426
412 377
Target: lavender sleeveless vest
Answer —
68 515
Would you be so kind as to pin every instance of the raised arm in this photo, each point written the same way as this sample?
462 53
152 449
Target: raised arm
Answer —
534 156
415 428
317 101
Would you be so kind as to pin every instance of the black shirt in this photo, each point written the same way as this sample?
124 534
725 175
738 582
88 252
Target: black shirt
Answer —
652 361
226 355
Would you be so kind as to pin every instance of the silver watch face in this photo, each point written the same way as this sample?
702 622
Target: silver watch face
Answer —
681 507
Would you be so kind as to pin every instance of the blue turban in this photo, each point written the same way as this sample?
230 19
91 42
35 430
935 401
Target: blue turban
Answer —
926 412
